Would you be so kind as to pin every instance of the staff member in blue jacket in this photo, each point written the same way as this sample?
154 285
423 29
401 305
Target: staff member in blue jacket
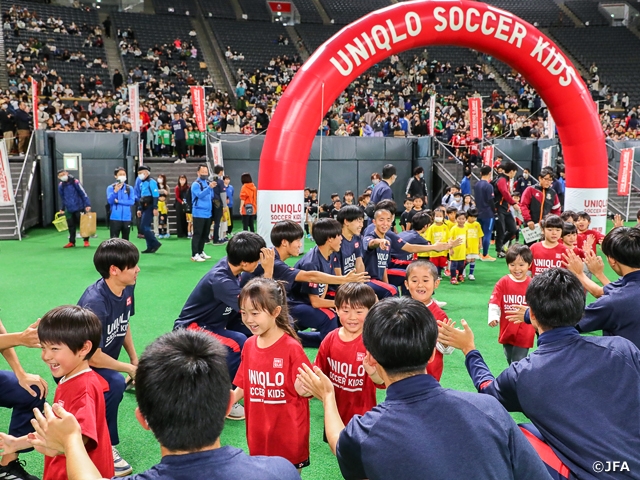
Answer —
582 394
74 201
201 201
146 191
120 198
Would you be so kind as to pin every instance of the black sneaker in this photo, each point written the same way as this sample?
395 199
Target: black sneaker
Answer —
15 471
501 255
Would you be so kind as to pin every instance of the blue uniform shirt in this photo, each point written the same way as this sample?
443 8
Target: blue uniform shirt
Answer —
382 191
376 261
218 189
313 261
350 251
201 194
147 188
230 191
114 314
616 312
214 301
582 394
179 128
225 463
400 258
121 202
441 434
281 272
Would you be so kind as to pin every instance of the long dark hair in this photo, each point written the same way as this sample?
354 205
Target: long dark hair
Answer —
186 185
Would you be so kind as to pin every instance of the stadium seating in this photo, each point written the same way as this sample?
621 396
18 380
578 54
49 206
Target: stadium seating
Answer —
344 12
315 35
307 11
256 10
257 41
542 13
171 7
218 8
587 11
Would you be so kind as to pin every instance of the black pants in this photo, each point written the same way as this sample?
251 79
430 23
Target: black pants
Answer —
217 218
181 220
73 220
116 227
201 228
247 222
230 222
506 228
181 148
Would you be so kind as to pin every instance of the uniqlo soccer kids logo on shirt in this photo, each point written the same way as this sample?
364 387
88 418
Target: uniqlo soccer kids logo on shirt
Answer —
360 356
129 301
357 245
278 363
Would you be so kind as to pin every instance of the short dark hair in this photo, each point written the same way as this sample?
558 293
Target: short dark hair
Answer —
401 334
556 298
517 250
508 166
388 205
472 212
115 171
638 214
202 165
485 170
72 326
422 263
355 295
244 247
335 195
418 171
461 214
569 214
451 210
584 215
349 213
226 177
286 230
246 178
324 229
568 229
552 221
143 168
623 245
546 171
118 252
218 169
175 363
420 220
388 171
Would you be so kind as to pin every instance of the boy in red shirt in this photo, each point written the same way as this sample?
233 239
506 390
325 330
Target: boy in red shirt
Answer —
69 336
584 220
508 295
422 280
548 253
342 352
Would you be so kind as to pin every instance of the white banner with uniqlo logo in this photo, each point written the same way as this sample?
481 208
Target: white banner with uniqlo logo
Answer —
134 107
432 115
6 187
625 171
277 205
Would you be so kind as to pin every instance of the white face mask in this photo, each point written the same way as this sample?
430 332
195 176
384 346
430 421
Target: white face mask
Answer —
376 181
525 175
141 176
122 178
421 175
64 178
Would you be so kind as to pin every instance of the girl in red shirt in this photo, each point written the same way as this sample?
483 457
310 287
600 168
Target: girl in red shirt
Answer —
276 404
548 253
508 295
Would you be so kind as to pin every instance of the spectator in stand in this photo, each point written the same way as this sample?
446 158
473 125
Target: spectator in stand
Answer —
465 183
179 130
382 191
118 81
417 186
248 202
182 205
484 196
506 228
24 125
7 125
74 202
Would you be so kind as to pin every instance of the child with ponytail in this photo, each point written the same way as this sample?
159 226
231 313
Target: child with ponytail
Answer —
276 403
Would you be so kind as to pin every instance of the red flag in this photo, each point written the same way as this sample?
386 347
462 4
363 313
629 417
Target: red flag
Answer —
197 101
487 155
34 94
475 117
625 172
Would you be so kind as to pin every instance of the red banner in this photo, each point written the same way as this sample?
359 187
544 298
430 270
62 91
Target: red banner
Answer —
475 117
283 7
34 94
625 172
487 156
198 103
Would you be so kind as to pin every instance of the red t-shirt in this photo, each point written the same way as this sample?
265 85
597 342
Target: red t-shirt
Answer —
277 417
83 396
508 294
342 362
582 237
545 258
436 367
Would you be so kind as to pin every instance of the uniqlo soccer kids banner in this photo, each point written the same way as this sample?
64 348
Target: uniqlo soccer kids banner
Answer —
198 101
418 24
487 155
134 107
34 95
475 117
6 187
625 171
546 157
432 115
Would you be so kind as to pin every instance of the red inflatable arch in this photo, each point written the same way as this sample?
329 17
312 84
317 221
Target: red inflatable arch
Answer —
408 25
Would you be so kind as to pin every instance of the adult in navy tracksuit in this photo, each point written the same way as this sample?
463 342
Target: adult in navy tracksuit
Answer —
412 433
112 300
382 191
582 394
201 207
179 129
120 198
146 191
74 201
21 392
484 197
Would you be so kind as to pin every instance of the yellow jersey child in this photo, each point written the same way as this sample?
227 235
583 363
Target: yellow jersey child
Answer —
458 254
474 241
437 232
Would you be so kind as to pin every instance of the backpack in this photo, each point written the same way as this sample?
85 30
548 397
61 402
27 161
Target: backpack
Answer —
370 209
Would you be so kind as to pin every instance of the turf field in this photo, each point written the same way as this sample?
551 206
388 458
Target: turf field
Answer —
37 275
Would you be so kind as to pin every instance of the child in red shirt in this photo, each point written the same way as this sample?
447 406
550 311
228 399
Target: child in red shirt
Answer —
276 405
508 295
70 335
341 355
584 220
422 280
548 253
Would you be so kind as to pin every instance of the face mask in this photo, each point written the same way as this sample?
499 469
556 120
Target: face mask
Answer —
375 182
182 182
141 176
421 175
122 178
160 181
204 177
438 219
525 175
64 178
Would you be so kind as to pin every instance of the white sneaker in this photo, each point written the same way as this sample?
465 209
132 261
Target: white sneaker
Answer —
197 258
121 466
440 304
184 160
178 161
205 256
236 413
472 277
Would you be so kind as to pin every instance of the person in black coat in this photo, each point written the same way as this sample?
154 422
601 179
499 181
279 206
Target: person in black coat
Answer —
117 80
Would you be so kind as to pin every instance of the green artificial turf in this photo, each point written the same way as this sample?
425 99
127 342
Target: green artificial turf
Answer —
37 275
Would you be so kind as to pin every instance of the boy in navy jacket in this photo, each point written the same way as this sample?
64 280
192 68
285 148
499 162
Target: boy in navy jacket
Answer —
74 201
